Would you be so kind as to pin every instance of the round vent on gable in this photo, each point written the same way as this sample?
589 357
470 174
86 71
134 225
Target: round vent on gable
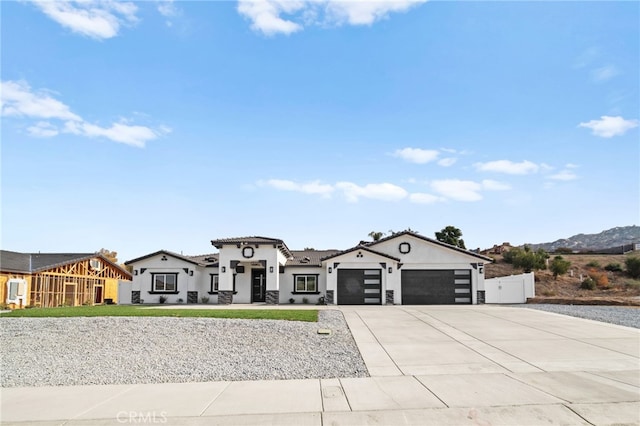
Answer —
404 248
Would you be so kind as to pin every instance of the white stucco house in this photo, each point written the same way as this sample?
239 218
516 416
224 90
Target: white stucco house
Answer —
404 268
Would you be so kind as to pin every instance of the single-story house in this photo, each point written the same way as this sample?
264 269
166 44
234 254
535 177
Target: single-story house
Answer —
404 268
58 279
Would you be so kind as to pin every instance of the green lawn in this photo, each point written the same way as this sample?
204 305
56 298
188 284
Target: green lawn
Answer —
309 315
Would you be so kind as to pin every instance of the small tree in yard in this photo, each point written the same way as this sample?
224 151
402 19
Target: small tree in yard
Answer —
559 266
529 260
633 266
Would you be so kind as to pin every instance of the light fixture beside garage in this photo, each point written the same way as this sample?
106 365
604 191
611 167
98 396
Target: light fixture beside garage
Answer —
390 269
404 248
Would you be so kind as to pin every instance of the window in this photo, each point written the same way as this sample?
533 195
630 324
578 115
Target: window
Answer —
164 282
214 283
95 264
305 283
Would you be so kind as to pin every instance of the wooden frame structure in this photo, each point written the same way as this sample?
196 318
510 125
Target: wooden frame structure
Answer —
71 280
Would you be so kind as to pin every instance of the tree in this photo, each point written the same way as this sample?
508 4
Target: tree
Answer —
633 266
376 235
527 259
451 235
559 266
111 255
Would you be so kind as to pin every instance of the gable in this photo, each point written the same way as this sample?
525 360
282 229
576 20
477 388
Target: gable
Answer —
411 248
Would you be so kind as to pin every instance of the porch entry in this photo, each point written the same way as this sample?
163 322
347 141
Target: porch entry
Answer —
258 285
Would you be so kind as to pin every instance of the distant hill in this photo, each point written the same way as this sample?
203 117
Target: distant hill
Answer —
606 241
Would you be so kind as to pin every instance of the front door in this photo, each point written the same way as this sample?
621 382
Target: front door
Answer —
98 295
258 285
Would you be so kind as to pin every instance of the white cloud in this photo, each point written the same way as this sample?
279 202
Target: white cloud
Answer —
118 132
416 155
167 8
266 16
99 19
314 187
43 129
608 127
375 191
461 190
366 12
508 167
422 198
604 73
19 100
447 162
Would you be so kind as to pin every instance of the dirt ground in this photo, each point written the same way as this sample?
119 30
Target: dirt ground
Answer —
616 288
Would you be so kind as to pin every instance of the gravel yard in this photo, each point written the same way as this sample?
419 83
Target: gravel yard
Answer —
128 350
620 315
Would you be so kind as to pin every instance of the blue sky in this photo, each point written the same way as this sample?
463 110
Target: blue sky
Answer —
139 126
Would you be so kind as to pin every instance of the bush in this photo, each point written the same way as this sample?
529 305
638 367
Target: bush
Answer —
292 300
633 266
163 299
599 278
559 266
204 299
593 264
305 300
613 267
588 284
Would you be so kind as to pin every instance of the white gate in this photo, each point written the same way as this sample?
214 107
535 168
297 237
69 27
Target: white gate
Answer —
511 289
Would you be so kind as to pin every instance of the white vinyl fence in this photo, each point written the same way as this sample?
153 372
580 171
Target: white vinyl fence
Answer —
511 289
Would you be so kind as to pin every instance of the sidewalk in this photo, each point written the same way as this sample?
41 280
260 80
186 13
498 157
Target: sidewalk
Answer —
475 365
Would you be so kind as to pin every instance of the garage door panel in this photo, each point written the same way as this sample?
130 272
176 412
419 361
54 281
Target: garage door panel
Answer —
359 287
436 287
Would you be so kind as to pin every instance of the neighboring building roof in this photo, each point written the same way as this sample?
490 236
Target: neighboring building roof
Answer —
240 241
189 259
308 257
11 261
440 243
360 247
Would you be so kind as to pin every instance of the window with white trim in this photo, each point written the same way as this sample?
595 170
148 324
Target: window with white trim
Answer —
164 282
305 283
214 283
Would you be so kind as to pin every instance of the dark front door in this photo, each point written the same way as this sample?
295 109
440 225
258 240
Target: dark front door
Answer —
258 285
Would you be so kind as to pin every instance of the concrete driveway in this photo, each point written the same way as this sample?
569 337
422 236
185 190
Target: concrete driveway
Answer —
442 365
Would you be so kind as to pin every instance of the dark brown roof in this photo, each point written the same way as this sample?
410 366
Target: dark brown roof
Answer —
361 247
440 243
12 261
206 259
308 257
239 241
37 262
167 252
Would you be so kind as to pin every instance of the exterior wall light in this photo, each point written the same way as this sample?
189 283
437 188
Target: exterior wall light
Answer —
271 269
330 269
224 269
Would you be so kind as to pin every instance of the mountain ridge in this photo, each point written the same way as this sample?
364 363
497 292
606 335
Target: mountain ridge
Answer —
615 238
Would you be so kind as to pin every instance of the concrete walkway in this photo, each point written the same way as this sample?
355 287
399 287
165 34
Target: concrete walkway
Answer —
475 365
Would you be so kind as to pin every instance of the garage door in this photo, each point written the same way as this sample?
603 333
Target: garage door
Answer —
359 287
436 287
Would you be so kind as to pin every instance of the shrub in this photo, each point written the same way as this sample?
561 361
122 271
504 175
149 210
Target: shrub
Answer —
292 300
633 266
613 267
559 266
162 299
588 284
305 300
593 264
204 299
599 278
180 300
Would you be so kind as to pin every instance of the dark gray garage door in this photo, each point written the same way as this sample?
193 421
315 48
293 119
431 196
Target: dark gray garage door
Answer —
359 287
436 287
